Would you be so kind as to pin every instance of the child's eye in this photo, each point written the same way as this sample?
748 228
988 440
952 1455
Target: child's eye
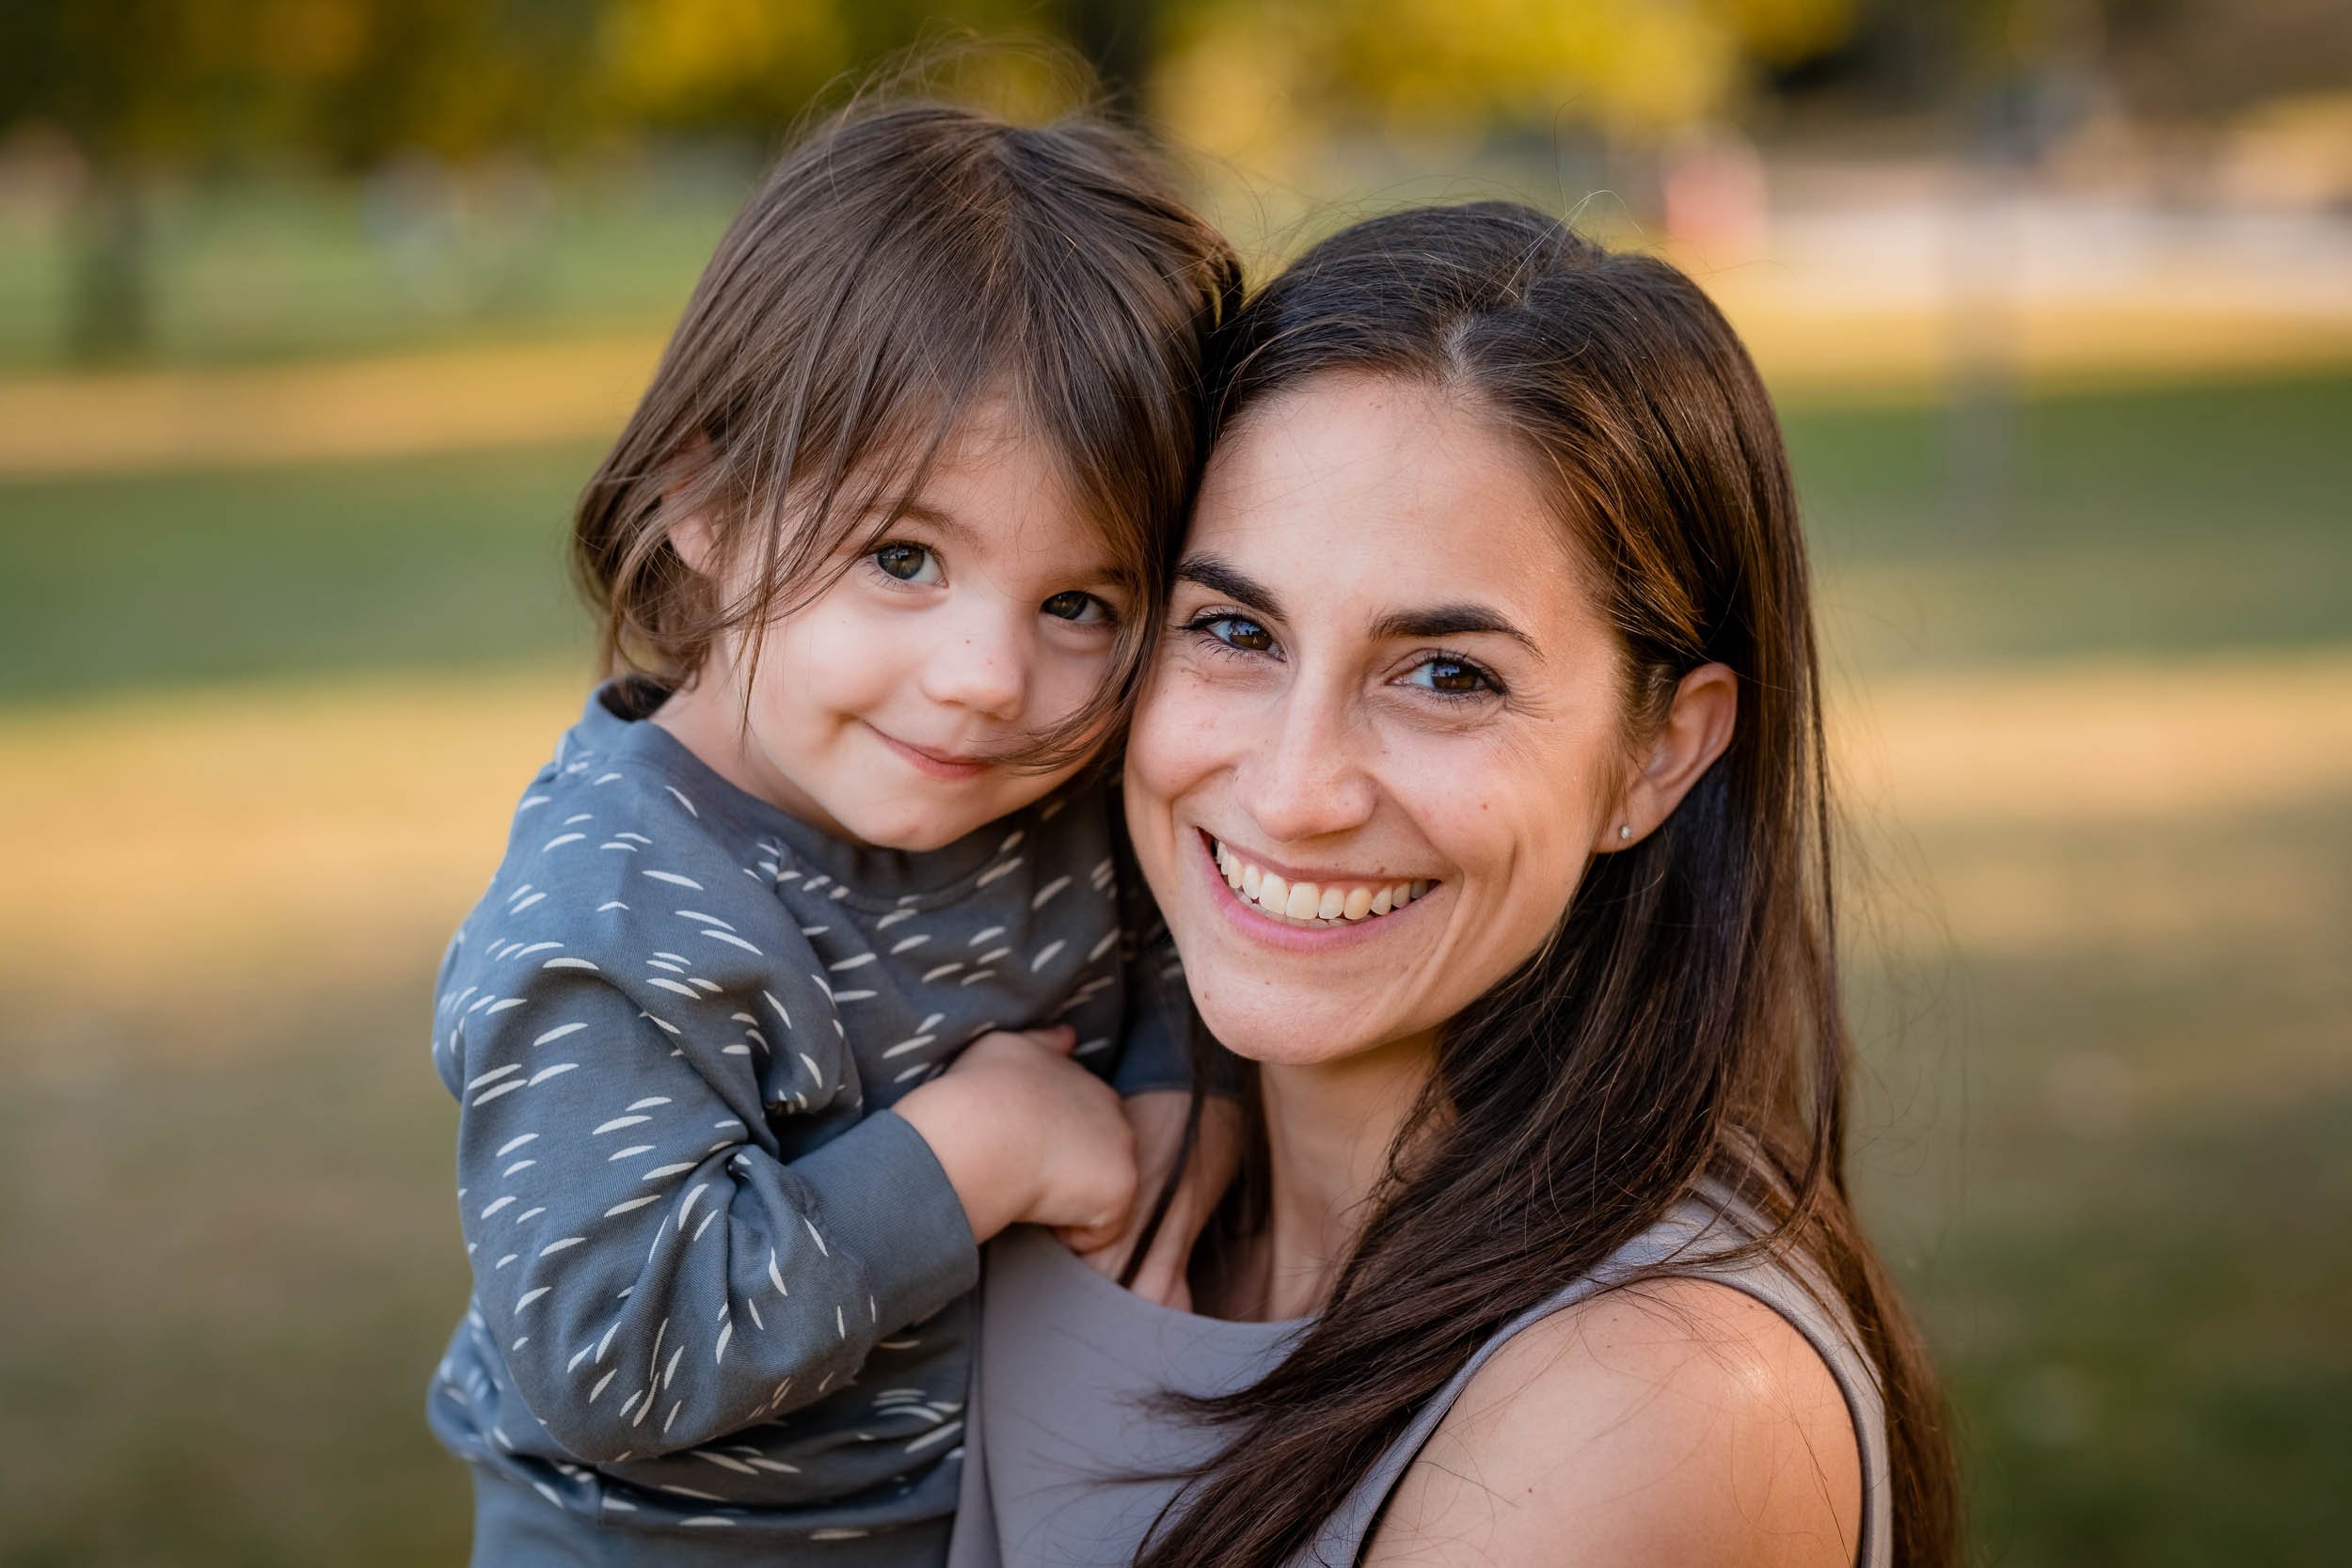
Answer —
1238 632
907 562
1450 676
1082 610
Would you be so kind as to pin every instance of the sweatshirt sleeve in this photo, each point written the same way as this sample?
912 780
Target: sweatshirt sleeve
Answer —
680 1221
1156 1053
1163 1046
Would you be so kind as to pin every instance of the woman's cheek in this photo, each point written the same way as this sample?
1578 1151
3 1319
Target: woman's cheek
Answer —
1174 736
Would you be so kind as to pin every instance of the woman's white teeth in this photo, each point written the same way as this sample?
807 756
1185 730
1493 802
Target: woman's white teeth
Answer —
1310 901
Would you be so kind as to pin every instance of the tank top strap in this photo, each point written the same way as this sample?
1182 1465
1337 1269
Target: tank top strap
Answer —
1687 1244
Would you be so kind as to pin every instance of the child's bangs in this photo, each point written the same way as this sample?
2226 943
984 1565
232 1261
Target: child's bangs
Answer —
897 274
916 355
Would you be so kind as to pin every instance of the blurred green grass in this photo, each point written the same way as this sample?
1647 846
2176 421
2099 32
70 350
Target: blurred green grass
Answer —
255 270
2150 521
2107 1166
127 583
2111 1175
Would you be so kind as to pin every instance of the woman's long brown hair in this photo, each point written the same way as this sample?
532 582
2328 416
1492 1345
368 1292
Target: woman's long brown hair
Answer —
1684 1023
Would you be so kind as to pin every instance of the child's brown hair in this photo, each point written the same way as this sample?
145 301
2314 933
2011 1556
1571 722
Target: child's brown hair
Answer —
898 264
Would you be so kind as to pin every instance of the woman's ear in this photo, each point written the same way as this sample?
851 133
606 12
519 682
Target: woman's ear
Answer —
1697 728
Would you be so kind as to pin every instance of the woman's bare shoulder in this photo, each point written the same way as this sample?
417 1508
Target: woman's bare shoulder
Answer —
1676 1422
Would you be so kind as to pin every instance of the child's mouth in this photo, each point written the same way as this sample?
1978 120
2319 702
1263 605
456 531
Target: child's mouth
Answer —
938 765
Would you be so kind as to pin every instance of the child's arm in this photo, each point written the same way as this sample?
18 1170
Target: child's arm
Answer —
1158 1118
655 1270
1164 1057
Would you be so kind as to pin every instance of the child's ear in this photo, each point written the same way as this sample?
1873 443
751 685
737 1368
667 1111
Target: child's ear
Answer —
689 531
697 543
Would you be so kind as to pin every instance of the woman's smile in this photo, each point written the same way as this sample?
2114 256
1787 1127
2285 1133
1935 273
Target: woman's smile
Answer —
1324 909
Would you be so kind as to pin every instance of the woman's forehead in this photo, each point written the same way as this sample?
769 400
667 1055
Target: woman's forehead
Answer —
1388 491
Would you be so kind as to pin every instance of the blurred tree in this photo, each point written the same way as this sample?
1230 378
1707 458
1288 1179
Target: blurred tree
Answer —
698 64
1121 39
128 83
1245 74
141 89
146 88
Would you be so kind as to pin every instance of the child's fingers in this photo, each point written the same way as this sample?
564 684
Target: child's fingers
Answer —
1060 1038
1105 1244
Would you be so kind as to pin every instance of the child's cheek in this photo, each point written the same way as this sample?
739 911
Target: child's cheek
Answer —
1066 679
833 659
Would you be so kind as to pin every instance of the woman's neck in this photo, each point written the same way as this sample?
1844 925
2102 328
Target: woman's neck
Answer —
1330 1127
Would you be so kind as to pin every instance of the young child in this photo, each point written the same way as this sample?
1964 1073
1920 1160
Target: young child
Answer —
882 545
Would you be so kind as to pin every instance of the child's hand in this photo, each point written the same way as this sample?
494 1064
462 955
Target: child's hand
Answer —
1157 1117
1026 1135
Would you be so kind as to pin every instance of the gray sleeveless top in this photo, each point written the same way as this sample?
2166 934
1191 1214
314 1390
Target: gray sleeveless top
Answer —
1062 1436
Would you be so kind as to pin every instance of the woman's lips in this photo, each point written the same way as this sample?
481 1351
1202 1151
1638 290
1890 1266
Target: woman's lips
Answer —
1264 899
933 763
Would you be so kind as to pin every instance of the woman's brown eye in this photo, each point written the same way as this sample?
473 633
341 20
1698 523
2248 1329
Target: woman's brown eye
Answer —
1451 677
1236 631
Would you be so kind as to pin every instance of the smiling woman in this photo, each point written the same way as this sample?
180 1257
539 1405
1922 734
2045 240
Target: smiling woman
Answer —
1479 776
1405 726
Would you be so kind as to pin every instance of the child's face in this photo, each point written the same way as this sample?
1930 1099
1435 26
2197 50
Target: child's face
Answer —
987 615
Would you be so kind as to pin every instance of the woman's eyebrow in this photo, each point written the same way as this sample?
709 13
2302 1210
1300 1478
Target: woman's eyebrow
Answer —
1449 620
1220 575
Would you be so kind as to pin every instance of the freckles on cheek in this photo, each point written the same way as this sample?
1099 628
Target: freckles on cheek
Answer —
1173 736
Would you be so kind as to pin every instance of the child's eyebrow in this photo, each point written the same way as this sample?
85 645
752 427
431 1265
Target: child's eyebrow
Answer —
924 511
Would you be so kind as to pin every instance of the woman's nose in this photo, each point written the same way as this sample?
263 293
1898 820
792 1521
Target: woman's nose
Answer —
1309 780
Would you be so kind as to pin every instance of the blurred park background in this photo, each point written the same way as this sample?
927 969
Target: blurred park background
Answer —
314 313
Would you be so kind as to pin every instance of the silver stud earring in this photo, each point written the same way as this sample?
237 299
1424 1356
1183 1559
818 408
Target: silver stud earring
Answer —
1625 831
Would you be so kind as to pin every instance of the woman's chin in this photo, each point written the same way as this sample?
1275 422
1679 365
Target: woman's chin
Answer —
1280 1037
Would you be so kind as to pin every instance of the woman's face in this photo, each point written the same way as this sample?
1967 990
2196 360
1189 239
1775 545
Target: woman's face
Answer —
1384 687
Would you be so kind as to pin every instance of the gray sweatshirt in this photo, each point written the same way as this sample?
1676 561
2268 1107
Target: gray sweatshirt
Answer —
720 1286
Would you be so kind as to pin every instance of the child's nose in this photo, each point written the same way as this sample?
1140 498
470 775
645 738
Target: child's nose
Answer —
986 673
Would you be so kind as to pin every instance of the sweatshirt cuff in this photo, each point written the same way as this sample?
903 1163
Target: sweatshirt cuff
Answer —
885 1200
1157 1054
